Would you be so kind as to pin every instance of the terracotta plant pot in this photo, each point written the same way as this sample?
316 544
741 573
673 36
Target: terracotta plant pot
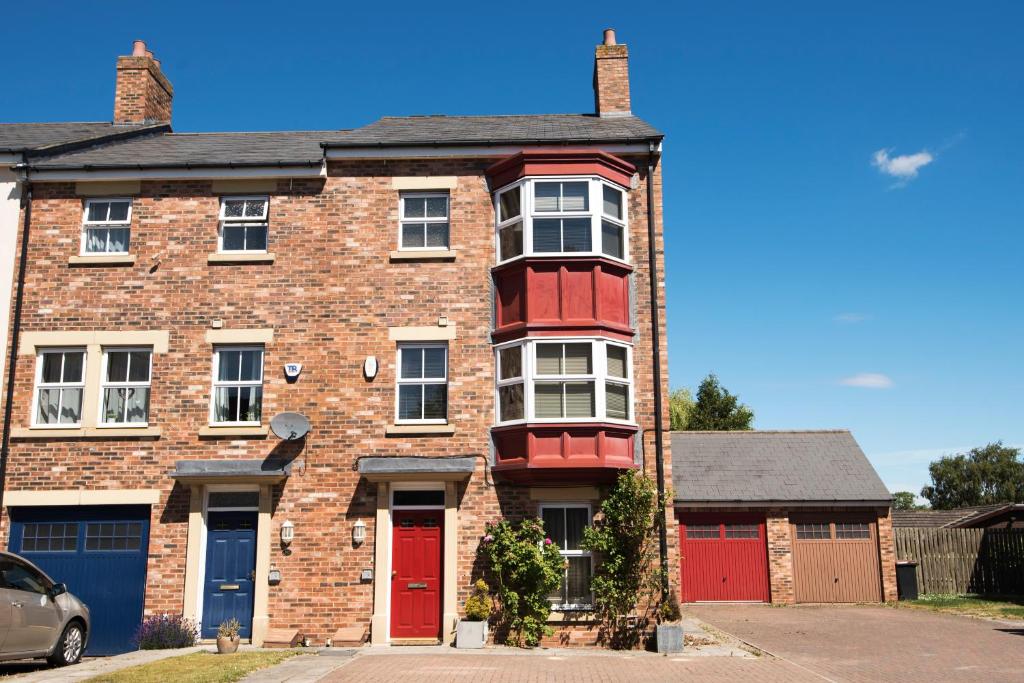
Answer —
227 646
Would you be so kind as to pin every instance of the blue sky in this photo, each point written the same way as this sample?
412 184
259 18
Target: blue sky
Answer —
796 258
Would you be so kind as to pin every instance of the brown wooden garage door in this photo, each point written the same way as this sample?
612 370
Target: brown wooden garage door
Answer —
835 559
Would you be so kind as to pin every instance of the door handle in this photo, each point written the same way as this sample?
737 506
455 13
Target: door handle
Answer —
394 575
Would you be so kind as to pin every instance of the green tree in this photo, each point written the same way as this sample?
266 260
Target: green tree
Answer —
680 404
905 500
718 410
982 476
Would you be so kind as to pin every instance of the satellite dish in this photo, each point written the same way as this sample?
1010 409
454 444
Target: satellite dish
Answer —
290 426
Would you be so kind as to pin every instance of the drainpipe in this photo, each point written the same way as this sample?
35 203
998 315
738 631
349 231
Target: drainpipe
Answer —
5 444
659 451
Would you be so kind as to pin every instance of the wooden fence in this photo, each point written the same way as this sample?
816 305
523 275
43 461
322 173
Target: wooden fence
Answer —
988 561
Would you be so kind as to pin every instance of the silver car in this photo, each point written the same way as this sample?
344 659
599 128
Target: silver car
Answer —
38 617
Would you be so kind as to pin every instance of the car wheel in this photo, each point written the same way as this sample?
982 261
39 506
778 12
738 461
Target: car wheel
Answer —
69 647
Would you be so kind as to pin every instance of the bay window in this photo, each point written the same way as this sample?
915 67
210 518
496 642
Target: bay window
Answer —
564 525
559 380
561 216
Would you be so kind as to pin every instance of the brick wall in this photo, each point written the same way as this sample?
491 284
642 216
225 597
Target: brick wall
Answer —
887 548
142 93
611 79
329 297
780 557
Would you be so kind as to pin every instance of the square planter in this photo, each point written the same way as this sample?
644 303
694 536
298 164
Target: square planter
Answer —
670 638
470 635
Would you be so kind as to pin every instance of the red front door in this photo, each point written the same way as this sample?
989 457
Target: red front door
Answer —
416 574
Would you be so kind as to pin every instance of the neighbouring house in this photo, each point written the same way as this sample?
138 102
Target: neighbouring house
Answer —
459 306
996 516
781 517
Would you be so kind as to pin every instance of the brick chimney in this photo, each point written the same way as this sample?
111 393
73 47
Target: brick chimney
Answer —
143 94
611 77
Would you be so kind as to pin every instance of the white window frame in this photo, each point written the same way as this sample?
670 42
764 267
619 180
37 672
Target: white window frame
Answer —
217 384
399 381
58 385
572 607
245 221
403 219
127 384
509 381
595 212
92 225
599 375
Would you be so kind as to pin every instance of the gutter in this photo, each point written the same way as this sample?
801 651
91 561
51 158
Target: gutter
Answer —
19 300
659 450
490 142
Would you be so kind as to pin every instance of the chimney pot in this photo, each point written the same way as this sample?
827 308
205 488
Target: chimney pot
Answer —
149 53
609 36
142 93
139 48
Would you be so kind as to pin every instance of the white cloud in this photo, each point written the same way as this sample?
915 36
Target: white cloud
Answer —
903 167
851 318
867 380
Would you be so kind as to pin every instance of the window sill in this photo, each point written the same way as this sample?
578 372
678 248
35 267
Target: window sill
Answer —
425 255
86 433
581 615
240 258
102 260
431 430
209 431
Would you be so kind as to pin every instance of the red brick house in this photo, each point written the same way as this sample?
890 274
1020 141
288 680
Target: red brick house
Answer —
459 306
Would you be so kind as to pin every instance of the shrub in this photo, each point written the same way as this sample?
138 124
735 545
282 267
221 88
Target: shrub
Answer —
478 605
627 574
229 629
166 631
526 567
669 611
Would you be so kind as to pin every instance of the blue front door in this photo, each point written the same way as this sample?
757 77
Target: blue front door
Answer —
100 552
230 568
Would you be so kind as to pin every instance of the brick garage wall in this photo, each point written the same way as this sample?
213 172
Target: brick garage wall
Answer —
780 557
329 297
887 550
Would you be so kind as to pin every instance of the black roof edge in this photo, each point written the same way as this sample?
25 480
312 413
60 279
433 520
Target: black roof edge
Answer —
186 165
126 134
490 142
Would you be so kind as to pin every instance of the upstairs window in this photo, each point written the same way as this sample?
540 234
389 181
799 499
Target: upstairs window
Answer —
558 381
237 386
106 226
243 224
422 379
569 217
126 377
424 221
60 380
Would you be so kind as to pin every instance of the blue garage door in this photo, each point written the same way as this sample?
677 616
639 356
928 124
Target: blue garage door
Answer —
100 553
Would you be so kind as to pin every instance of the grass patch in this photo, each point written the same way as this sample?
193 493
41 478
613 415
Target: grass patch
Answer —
973 605
199 667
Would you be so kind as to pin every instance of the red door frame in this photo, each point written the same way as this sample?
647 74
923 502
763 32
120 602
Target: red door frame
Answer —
417 551
721 568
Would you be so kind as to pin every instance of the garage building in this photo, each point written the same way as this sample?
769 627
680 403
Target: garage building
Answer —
781 517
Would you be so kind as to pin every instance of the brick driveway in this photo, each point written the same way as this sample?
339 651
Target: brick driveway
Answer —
577 667
876 643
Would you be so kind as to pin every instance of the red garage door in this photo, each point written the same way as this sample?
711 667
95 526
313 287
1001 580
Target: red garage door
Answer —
724 557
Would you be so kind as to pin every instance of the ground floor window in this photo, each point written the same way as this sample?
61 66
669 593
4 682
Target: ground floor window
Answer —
564 525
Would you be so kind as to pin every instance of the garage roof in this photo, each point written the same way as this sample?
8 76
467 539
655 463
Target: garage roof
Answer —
773 466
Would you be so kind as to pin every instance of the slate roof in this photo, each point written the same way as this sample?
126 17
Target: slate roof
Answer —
393 131
185 150
935 519
769 466
23 137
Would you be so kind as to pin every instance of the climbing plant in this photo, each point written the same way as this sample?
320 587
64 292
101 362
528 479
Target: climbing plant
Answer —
626 582
525 566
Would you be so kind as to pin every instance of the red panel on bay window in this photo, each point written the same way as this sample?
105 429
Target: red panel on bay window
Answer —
571 452
542 162
579 295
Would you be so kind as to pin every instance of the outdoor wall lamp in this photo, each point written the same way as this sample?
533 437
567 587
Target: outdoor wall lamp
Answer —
359 532
287 532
